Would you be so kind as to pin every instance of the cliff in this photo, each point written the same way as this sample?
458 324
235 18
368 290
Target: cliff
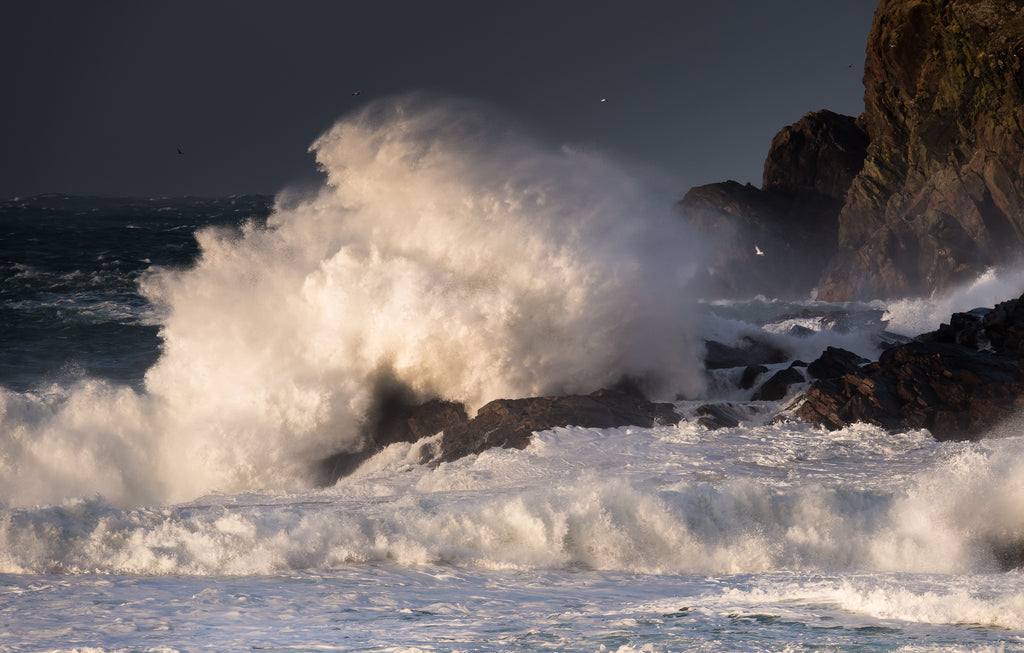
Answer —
938 193
777 239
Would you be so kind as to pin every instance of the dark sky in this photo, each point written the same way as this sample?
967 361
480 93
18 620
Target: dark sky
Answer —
100 95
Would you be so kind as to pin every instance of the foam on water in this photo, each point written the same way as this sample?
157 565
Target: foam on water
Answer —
444 250
913 316
652 501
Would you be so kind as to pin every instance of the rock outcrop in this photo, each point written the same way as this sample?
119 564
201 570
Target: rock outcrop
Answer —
508 423
922 191
940 196
957 382
776 240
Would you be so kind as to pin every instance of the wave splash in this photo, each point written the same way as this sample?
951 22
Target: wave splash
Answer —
531 510
444 249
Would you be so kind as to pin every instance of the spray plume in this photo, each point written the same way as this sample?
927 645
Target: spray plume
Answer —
446 250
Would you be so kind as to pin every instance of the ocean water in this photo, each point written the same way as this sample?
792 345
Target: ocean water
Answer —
171 370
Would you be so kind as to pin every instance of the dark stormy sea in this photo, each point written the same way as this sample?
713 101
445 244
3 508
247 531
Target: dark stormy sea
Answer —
171 368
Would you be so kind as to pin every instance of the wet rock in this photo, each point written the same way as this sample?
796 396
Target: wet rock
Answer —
718 416
776 387
776 240
510 423
750 374
940 196
1003 327
393 419
744 354
963 329
834 363
954 391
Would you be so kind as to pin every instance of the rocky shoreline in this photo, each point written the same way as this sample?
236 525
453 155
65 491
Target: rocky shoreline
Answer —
958 382
925 189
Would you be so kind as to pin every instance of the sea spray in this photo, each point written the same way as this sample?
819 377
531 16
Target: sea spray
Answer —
915 315
672 499
445 249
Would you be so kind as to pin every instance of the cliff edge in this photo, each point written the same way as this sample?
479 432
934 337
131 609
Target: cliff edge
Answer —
940 196
937 195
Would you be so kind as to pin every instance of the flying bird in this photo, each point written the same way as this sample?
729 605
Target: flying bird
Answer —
757 250
356 92
179 151
604 99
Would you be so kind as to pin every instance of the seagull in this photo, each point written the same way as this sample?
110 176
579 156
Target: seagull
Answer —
356 92
604 99
757 250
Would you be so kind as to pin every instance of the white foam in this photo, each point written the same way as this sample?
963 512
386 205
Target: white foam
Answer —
445 248
663 500
914 316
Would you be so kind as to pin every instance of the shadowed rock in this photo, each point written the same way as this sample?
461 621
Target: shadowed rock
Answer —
921 192
941 381
718 416
776 387
776 240
508 423
940 197
745 354
834 363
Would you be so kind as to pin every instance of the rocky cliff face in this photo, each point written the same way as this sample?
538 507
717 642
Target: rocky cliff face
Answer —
940 195
937 197
776 240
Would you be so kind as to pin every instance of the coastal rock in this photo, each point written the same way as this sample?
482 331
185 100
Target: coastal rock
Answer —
510 423
718 416
957 382
746 353
776 240
941 194
750 374
777 386
835 363
951 390
819 155
923 191
396 418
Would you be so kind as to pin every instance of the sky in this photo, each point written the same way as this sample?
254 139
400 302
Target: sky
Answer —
101 95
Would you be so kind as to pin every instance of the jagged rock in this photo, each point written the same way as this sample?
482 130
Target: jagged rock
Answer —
835 363
749 352
1003 327
963 329
936 160
941 194
819 154
776 387
750 374
798 331
953 391
394 418
510 423
718 416
506 423
956 381
777 240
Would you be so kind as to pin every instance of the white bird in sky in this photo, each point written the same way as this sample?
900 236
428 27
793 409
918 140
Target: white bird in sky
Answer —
757 250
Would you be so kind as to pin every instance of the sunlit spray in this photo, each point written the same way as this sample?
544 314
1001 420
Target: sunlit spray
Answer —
445 249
